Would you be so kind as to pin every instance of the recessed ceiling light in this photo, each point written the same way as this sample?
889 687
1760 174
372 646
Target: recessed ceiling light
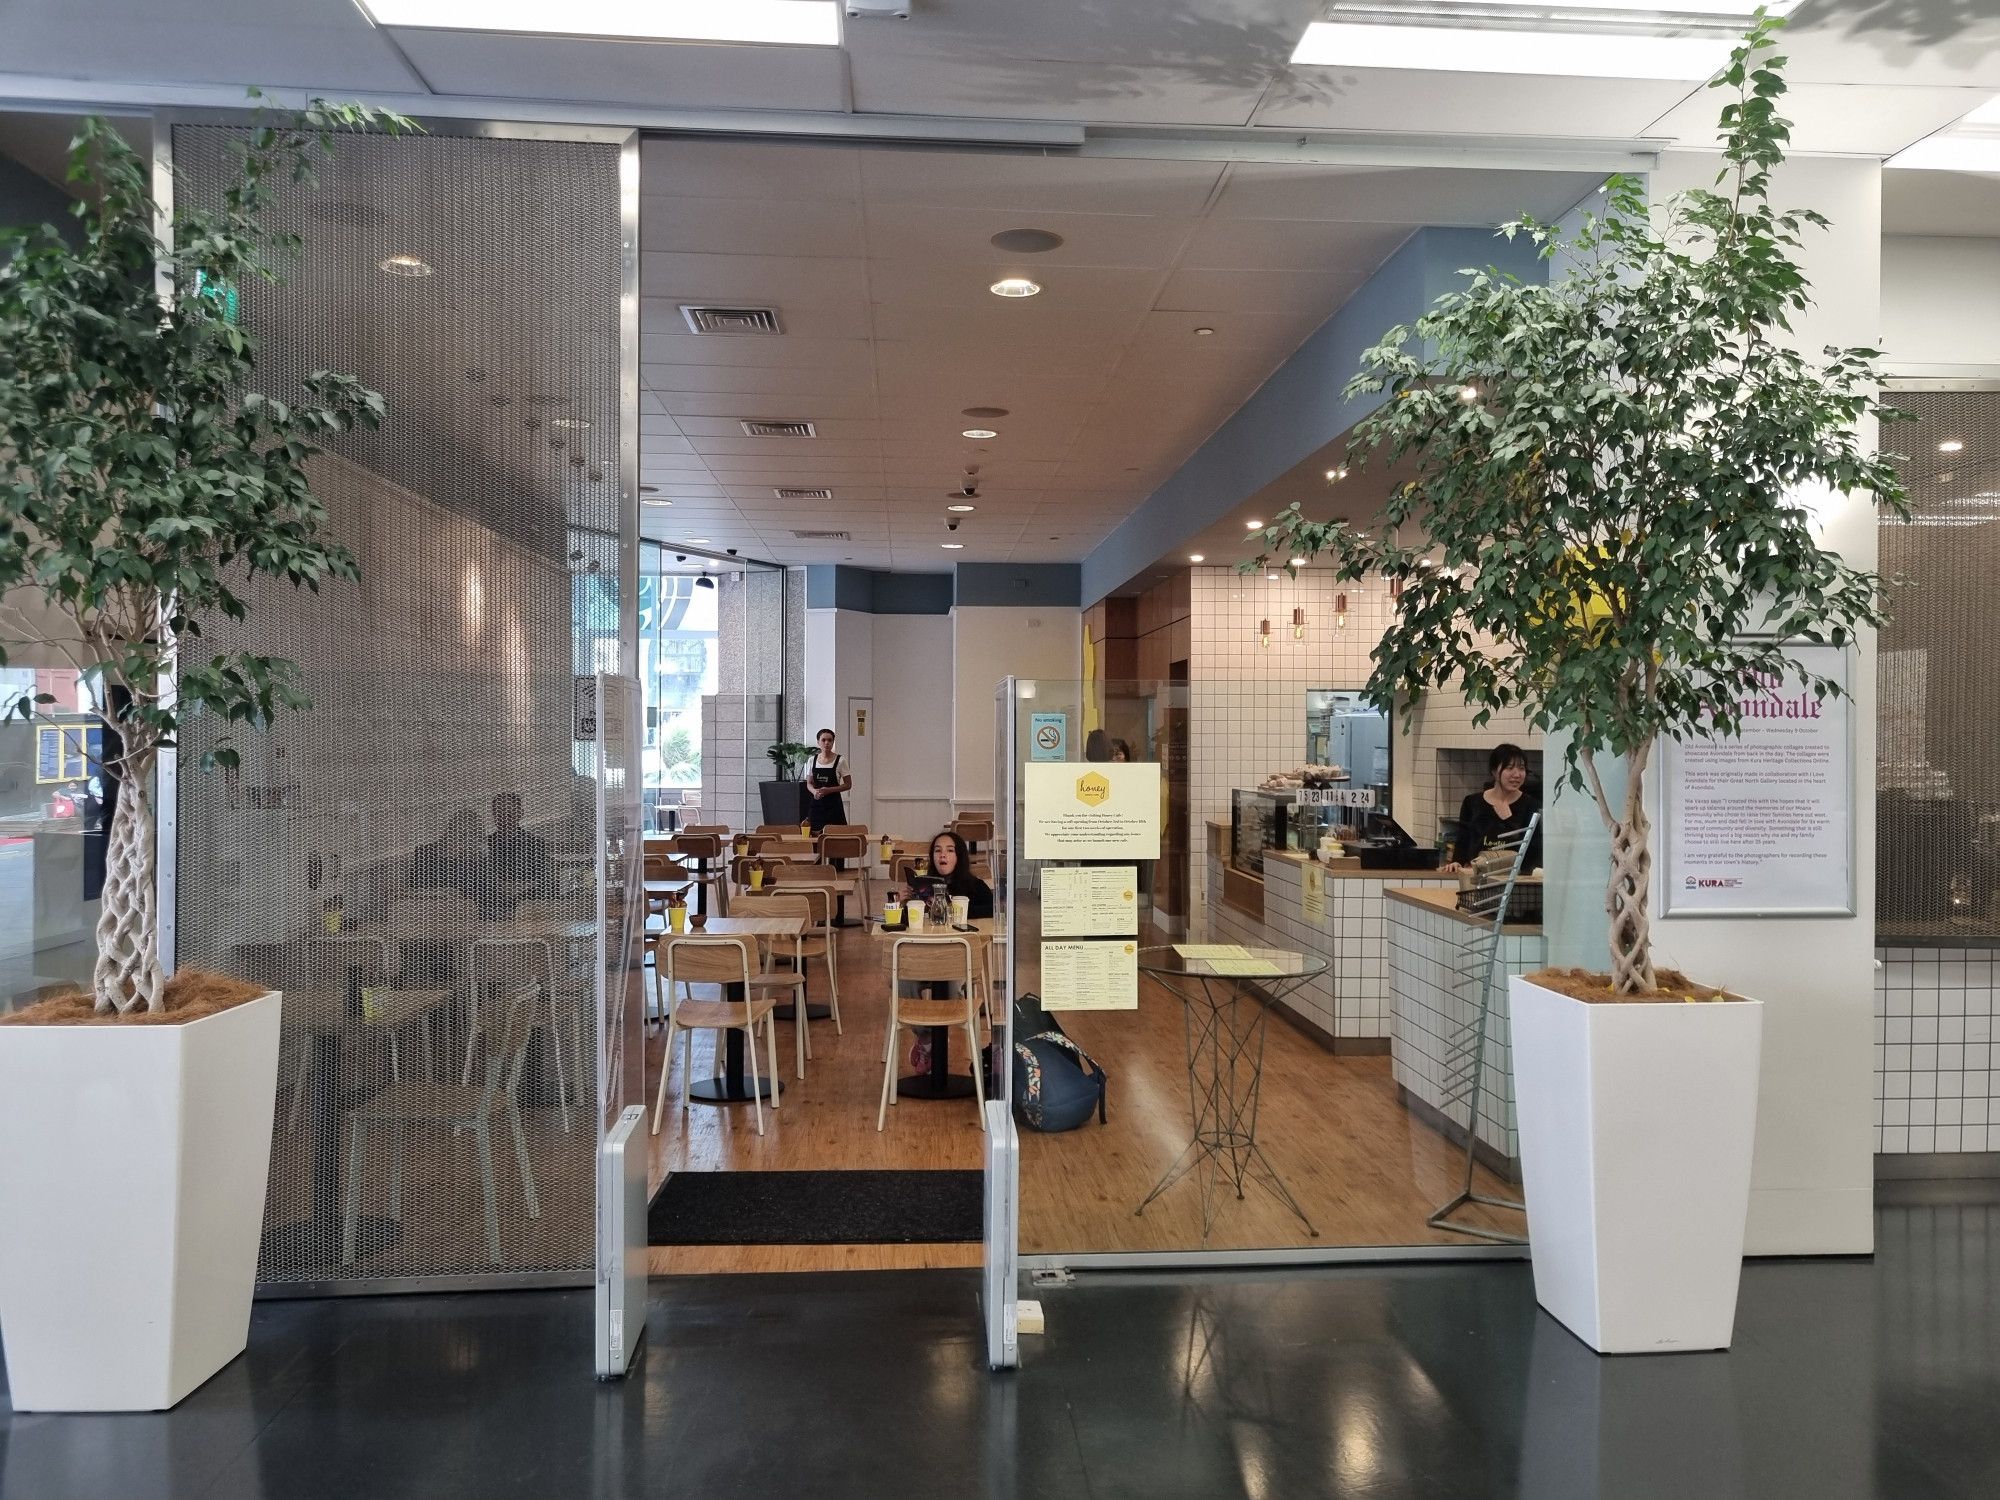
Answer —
1252 525
1951 445
795 23
952 546
961 509
979 432
1194 557
575 424
1027 241
1339 471
1467 49
656 502
404 265
1202 333
1014 286
1298 562
1468 393
700 541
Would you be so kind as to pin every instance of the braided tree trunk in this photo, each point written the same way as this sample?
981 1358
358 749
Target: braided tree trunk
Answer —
1626 897
128 973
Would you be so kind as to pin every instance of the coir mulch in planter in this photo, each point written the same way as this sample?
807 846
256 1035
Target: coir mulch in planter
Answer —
187 996
1595 989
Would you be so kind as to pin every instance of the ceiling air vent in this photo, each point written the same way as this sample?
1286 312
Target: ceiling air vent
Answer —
822 536
778 429
803 494
731 319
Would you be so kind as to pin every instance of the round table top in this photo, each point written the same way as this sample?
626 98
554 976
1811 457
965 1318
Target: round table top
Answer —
1230 961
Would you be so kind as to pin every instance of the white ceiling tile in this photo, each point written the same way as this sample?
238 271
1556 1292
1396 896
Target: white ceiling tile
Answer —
1478 104
1022 183
789 281
668 348
787 450
1214 290
729 226
692 405
721 379
964 287
1840 119
1293 244
928 234
1464 196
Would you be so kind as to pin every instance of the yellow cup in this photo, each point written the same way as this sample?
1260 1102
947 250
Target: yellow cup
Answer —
677 918
891 910
961 909
742 847
757 878
913 915
805 829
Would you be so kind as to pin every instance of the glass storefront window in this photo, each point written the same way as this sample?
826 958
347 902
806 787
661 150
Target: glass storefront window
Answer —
51 831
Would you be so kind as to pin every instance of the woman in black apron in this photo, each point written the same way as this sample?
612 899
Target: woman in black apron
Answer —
826 779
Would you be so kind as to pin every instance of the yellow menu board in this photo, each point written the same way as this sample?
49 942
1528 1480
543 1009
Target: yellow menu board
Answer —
1097 901
1090 975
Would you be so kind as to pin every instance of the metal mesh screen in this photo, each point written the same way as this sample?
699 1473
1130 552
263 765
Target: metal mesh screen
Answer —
411 861
1938 765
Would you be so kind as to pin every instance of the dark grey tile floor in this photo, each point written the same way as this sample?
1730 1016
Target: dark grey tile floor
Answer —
1876 1379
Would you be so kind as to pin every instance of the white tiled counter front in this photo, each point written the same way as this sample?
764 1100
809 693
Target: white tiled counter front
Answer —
1350 1001
1429 947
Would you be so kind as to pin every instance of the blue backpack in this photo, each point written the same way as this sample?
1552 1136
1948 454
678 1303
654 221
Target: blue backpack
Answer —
1056 1083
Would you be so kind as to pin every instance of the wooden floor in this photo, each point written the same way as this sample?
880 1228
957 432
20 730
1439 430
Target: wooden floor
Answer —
1365 1171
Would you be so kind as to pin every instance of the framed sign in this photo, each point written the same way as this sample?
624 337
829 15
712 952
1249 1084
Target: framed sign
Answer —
1761 824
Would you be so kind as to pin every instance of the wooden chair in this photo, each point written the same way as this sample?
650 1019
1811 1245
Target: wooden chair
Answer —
853 846
929 960
724 961
823 940
799 949
450 1107
975 831
708 846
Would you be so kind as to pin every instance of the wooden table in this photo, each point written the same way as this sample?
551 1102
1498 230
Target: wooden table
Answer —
940 1082
733 1087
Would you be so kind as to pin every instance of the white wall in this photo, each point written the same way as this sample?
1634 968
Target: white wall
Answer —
903 663
1812 1185
991 643
1940 304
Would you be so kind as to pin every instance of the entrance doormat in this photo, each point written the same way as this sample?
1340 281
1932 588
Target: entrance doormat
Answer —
818 1208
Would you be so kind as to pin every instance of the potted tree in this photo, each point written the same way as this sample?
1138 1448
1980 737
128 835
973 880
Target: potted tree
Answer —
143 480
784 799
1611 539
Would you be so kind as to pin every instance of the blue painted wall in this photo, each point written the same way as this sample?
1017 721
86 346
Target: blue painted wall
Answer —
1025 585
1300 408
870 591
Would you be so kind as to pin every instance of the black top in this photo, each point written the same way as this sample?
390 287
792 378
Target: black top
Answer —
522 857
1479 824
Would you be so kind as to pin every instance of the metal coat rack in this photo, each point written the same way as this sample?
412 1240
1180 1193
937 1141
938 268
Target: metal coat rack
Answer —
1465 1059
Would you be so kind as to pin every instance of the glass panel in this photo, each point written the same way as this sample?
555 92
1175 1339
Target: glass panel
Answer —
1310 1086
53 816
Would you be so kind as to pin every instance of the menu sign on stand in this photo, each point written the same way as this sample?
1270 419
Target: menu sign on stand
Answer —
1095 901
1090 975
1761 823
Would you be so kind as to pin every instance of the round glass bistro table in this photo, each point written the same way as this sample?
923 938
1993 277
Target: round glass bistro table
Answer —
1226 994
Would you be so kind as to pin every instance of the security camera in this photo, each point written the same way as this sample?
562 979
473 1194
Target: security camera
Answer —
732 551
968 489
951 523
680 557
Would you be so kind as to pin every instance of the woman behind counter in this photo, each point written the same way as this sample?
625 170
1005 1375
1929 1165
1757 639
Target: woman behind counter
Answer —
1503 807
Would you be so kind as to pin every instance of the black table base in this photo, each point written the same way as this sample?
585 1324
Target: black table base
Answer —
733 1087
939 1082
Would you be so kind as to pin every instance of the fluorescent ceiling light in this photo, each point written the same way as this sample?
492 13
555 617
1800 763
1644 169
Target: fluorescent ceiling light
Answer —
961 509
796 23
1987 113
952 546
1679 7
1194 557
979 433
1463 49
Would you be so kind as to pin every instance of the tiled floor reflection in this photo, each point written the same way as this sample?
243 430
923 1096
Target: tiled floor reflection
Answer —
1848 1379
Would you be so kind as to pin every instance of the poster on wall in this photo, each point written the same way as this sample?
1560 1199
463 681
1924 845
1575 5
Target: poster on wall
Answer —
1762 823
1092 810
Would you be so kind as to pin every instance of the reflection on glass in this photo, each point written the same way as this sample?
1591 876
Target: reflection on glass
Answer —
52 820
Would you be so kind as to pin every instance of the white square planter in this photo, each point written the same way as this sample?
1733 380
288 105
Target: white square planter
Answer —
1637 1124
133 1163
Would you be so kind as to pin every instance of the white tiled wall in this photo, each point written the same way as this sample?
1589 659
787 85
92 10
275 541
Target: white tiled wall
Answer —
1936 1062
1434 985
